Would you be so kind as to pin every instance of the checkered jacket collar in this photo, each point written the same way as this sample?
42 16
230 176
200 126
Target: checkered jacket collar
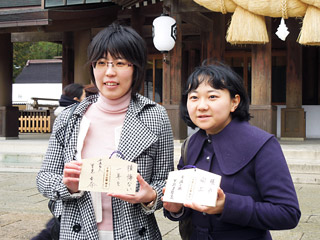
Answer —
136 104
134 131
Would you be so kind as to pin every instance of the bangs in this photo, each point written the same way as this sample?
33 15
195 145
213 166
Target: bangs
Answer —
210 78
117 47
109 45
117 43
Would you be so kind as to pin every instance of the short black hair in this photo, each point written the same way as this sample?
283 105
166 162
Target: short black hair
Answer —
73 90
120 41
218 76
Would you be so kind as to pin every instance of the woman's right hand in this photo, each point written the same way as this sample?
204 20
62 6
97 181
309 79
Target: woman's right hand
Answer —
71 174
170 206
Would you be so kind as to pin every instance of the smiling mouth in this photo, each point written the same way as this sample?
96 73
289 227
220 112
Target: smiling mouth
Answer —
111 84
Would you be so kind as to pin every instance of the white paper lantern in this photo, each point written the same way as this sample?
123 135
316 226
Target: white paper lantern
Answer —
164 32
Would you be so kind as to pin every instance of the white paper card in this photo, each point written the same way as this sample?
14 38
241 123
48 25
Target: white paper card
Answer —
192 185
108 175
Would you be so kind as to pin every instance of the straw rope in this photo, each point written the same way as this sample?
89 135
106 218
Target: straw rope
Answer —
248 18
223 7
269 8
284 9
315 3
273 8
247 28
310 31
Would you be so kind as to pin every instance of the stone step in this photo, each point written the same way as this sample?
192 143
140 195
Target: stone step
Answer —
303 154
20 162
21 157
304 167
311 178
14 146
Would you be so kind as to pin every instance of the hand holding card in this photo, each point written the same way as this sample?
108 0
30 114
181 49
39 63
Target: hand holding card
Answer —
192 185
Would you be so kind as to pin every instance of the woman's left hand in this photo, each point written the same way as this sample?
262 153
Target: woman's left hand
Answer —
207 209
146 193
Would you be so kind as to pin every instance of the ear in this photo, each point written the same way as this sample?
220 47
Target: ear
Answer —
235 102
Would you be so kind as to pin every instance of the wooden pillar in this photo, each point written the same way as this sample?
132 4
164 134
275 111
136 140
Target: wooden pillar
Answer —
213 42
293 123
67 59
9 125
6 50
81 70
172 81
193 61
261 109
318 79
137 20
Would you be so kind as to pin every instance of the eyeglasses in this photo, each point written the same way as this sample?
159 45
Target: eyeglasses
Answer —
118 65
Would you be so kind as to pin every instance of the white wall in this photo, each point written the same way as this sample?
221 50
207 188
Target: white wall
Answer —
312 120
22 93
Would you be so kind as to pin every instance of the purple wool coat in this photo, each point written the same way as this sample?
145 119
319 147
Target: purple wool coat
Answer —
260 195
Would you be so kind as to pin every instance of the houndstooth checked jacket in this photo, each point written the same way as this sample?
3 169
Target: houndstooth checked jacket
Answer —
146 139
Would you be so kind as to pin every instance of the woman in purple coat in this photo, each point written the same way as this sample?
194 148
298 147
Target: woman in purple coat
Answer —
257 193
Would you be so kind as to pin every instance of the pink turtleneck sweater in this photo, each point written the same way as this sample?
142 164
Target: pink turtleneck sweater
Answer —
106 119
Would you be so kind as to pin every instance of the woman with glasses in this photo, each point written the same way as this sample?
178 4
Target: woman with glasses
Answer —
117 119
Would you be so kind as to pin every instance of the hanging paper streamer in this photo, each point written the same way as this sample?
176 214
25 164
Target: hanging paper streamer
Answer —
282 31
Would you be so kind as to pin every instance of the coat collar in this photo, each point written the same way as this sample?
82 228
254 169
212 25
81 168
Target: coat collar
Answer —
235 146
135 135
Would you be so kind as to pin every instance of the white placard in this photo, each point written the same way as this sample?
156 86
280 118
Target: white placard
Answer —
108 175
192 185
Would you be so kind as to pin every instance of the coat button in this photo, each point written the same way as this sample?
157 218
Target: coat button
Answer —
77 228
142 230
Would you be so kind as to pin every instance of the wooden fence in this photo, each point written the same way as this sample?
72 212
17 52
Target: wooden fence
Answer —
34 121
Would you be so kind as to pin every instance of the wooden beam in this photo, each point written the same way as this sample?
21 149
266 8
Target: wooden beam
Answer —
152 10
81 24
36 36
72 14
59 20
186 29
198 19
190 6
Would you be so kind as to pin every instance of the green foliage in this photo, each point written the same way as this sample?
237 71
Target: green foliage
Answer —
24 51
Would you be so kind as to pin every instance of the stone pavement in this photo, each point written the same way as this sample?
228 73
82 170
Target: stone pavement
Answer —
24 212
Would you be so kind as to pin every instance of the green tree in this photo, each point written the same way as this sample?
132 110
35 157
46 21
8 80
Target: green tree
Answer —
24 51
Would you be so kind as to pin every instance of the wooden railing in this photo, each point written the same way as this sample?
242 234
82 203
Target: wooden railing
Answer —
34 121
37 105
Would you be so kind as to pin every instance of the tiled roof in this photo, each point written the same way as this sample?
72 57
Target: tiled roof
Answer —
19 3
41 71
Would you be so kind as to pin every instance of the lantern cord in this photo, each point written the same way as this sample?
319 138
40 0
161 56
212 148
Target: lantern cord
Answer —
165 10
165 60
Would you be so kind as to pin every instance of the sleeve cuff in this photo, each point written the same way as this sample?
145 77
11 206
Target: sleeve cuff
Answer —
77 194
177 215
150 207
